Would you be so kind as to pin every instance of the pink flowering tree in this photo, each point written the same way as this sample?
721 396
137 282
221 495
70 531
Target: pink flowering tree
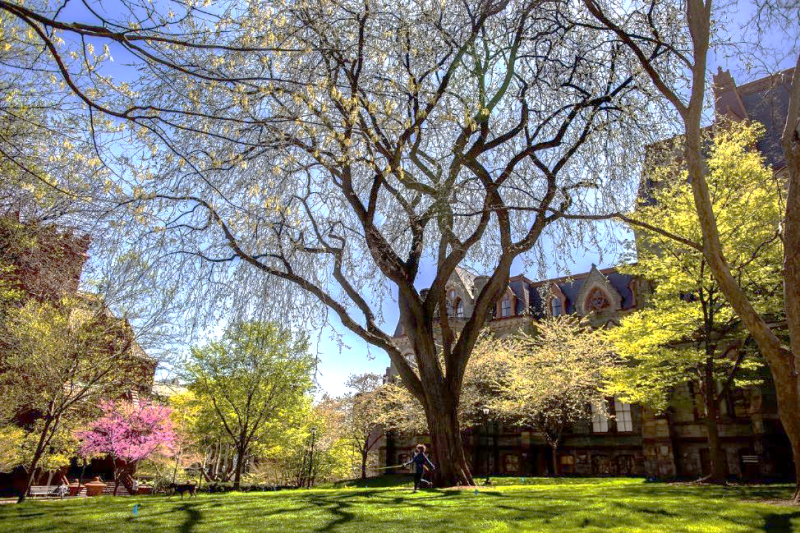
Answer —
128 433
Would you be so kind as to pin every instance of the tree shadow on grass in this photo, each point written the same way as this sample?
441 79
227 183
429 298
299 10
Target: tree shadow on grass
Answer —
526 513
743 492
193 516
16 516
338 505
341 507
652 512
780 523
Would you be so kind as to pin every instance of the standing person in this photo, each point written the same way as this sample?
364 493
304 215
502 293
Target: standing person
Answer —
420 461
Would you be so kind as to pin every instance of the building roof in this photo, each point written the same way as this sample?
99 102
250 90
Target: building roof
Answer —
765 100
571 287
532 296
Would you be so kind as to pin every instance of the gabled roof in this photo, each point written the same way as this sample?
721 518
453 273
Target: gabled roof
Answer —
467 280
571 286
532 295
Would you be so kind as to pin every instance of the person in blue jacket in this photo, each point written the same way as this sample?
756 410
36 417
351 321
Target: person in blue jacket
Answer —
420 461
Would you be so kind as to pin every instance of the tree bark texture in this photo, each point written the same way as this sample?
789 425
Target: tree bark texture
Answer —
237 478
716 473
791 269
364 457
446 444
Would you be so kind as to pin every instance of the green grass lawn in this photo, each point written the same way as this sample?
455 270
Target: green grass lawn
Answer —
572 505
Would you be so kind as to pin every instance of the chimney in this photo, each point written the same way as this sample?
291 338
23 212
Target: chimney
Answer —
723 81
727 101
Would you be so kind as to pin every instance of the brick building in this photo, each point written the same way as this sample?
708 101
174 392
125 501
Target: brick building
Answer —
44 262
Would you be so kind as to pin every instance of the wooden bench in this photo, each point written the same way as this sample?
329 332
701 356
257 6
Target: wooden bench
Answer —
46 491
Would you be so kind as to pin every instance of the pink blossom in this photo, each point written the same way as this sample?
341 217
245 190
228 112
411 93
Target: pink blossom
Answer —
129 432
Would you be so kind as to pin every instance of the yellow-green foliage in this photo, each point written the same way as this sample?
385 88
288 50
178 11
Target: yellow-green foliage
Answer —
665 343
547 380
252 385
58 361
11 441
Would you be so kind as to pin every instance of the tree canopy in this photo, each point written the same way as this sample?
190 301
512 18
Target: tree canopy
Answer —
336 147
251 378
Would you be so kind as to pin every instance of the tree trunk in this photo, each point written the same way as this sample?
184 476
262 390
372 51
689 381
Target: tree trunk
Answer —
37 456
364 456
218 463
789 408
446 445
716 472
239 467
177 459
554 459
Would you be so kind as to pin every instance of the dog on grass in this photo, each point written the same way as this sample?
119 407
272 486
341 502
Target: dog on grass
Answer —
182 489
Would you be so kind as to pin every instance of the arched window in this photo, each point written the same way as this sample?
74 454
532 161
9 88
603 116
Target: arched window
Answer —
556 308
505 307
596 300
460 308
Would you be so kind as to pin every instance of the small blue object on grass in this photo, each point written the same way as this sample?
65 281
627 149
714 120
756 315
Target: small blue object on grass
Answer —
476 491
136 509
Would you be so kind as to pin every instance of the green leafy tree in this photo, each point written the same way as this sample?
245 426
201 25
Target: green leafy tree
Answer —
11 442
364 411
549 380
332 458
688 331
283 454
59 361
250 378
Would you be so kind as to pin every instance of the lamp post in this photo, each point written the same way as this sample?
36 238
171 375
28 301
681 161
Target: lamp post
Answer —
486 432
311 457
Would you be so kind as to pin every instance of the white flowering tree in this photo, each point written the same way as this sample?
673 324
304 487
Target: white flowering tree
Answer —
324 151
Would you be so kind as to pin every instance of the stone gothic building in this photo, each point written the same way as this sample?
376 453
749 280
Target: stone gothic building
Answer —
634 441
